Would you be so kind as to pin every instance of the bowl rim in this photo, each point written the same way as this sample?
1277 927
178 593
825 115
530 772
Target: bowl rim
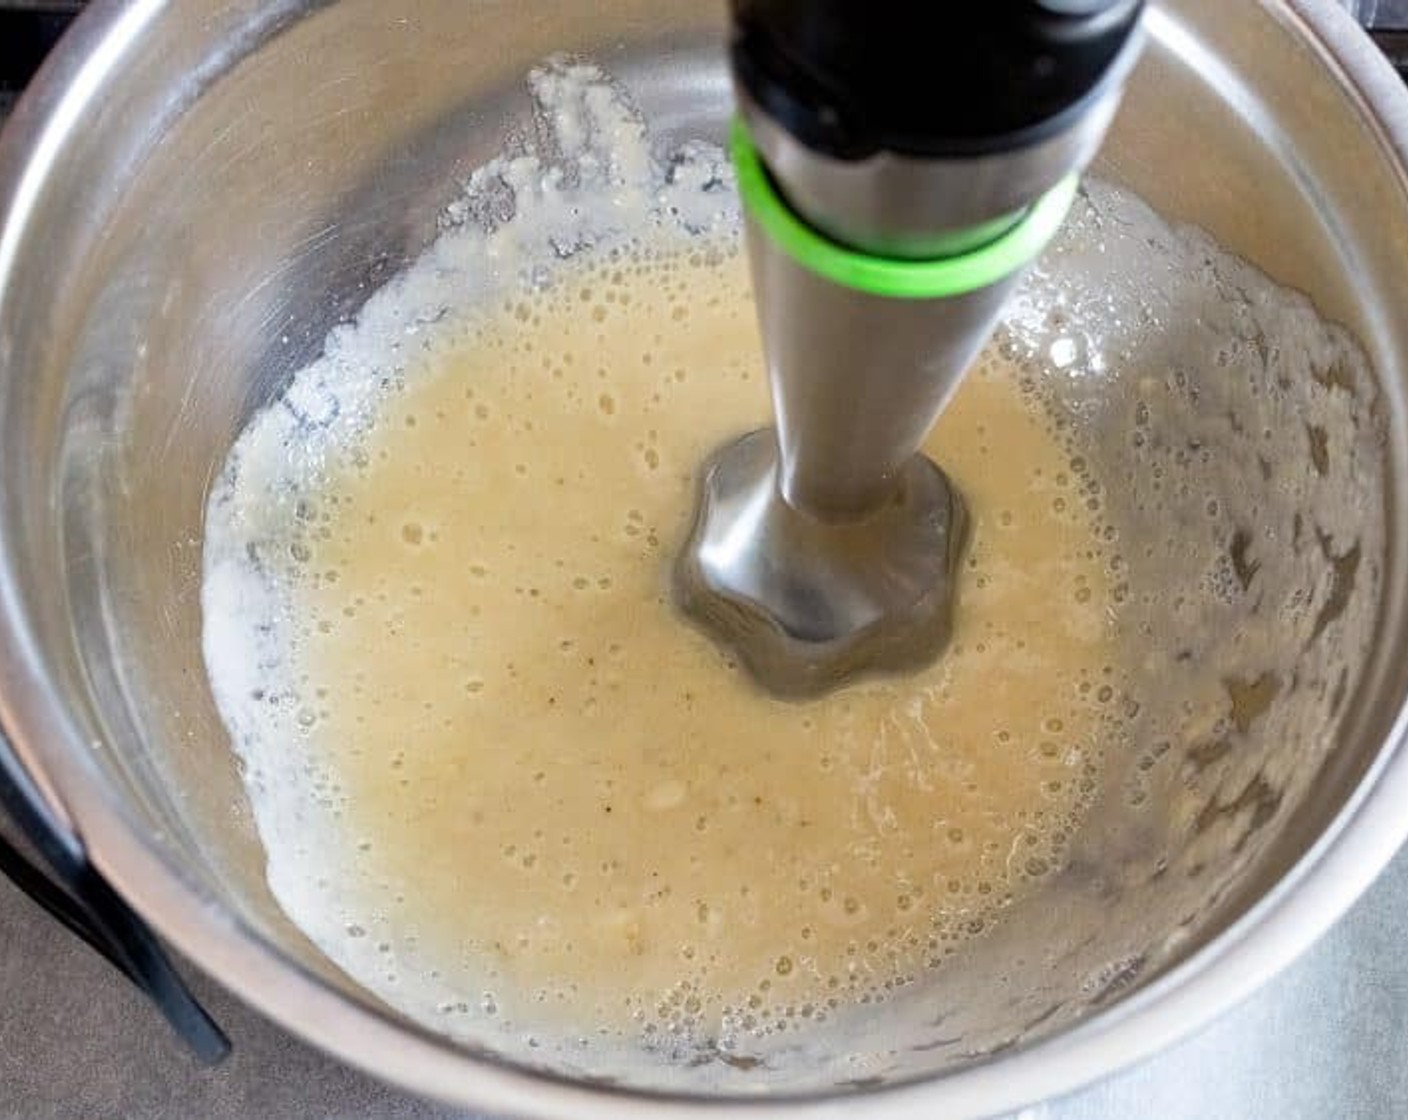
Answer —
1324 882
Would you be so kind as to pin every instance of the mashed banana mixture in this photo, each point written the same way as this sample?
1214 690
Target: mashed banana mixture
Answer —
500 778
501 783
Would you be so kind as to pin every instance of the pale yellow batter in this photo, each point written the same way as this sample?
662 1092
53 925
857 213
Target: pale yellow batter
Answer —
567 799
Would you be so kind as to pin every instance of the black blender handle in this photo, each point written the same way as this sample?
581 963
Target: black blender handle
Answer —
74 893
947 79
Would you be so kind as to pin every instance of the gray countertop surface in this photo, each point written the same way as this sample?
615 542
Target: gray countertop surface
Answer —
1328 1038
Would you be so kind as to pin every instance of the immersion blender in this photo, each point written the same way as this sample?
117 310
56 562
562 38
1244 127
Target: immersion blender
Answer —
900 164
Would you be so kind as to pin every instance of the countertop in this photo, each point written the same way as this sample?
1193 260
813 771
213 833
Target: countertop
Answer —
1328 1038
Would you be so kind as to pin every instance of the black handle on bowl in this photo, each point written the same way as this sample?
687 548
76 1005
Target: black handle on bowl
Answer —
81 900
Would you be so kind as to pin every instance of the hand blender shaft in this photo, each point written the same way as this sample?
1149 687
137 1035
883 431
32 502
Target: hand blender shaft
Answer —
899 166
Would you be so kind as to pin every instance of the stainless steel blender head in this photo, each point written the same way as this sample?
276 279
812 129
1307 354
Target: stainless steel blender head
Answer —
889 217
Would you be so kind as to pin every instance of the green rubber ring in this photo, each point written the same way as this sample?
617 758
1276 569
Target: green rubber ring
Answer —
890 276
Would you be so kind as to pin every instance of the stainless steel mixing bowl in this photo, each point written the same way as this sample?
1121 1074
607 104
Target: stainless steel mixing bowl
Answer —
193 193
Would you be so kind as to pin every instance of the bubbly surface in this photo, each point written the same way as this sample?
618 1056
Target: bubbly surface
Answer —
576 800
